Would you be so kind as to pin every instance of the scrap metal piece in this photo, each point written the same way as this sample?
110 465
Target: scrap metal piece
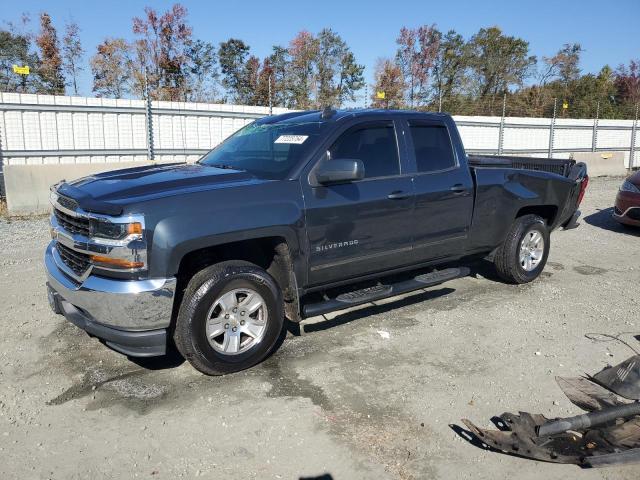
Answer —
521 439
615 444
623 379
609 434
587 395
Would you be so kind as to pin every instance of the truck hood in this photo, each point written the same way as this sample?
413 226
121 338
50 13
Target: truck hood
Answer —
107 192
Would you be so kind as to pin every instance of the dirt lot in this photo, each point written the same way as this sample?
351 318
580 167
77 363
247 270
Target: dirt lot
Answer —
338 400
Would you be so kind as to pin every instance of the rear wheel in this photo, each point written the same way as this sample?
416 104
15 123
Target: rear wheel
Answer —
230 318
523 255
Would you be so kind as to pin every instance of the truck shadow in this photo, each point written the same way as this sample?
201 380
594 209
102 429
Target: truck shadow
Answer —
171 359
603 219
371 309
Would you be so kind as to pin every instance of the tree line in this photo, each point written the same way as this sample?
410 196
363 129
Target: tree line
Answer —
431 70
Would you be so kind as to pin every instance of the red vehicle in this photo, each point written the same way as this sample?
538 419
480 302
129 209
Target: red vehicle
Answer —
627 208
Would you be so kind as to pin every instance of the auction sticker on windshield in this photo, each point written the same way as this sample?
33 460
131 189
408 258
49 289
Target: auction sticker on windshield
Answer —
297 139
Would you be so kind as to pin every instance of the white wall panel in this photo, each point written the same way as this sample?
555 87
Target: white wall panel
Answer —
84 124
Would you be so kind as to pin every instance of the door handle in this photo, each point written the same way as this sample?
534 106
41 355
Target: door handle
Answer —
398 195
458 189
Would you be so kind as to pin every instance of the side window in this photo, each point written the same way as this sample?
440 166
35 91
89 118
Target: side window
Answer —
432 147
375 144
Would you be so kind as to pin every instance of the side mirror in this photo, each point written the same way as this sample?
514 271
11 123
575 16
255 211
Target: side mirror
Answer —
339 171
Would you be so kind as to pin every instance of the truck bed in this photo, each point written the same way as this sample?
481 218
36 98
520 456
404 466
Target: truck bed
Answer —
557 166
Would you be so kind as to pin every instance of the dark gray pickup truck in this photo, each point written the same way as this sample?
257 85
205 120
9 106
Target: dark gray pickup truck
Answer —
293 216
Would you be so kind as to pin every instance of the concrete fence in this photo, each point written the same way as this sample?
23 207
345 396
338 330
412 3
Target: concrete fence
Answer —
45 138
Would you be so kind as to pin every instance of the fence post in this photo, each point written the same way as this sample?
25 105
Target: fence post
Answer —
632 151
552 127
594 135
501 134
151 154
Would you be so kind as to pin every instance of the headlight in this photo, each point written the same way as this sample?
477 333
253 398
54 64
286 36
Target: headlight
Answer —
114 231
122 246
627 186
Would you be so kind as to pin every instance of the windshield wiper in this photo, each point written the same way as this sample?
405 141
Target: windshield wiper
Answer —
225 167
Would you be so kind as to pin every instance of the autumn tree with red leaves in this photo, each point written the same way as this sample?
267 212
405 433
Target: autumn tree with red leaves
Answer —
161 53
388 84
50 68
111 68
416 55
627 82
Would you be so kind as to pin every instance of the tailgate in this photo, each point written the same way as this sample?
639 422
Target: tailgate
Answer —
570 212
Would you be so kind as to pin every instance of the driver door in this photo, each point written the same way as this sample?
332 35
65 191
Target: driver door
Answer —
364 226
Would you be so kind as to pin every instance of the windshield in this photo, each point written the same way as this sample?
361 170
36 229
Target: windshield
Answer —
265 150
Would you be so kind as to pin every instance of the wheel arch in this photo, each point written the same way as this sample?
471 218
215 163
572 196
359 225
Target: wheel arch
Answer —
272 253
548 212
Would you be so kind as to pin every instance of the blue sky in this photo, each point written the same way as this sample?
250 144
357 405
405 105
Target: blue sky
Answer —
609 31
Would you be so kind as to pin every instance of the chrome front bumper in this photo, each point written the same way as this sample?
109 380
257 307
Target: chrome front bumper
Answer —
130 305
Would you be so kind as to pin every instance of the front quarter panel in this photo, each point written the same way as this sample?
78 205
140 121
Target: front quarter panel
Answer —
204 219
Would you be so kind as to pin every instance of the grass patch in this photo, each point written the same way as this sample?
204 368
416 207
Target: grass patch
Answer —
3 208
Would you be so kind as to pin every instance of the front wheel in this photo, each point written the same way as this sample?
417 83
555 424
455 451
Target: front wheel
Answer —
230 318
523 255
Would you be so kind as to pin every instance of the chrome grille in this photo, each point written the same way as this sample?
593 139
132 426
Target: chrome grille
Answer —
71 224
76 261
67 202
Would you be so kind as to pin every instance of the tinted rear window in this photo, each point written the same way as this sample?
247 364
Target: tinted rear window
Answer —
432 147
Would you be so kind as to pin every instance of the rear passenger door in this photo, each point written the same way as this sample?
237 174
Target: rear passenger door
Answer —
363 226
444 192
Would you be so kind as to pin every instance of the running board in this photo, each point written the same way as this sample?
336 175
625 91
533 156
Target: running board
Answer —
378 292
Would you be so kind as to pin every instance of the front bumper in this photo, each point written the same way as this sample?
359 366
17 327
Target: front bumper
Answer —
130 315
627 208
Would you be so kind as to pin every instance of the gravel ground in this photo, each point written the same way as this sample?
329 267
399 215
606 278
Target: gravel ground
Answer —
340 400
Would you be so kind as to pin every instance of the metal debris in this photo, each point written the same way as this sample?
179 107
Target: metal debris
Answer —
609 434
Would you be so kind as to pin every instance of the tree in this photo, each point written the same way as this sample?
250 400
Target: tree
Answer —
498 62
388 79
303 50
563 66
72 52
111 68
405 58
585 92
279 62
15 49
232 56
627 82
416 56
338 74
50 68
265 83
202 72
250 81
449 67
162 53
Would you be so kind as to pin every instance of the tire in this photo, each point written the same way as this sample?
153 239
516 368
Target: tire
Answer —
508 256
202 314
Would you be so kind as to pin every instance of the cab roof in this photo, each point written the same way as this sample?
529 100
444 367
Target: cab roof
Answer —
337 115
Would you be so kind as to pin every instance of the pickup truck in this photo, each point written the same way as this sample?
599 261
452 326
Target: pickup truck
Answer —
293 216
